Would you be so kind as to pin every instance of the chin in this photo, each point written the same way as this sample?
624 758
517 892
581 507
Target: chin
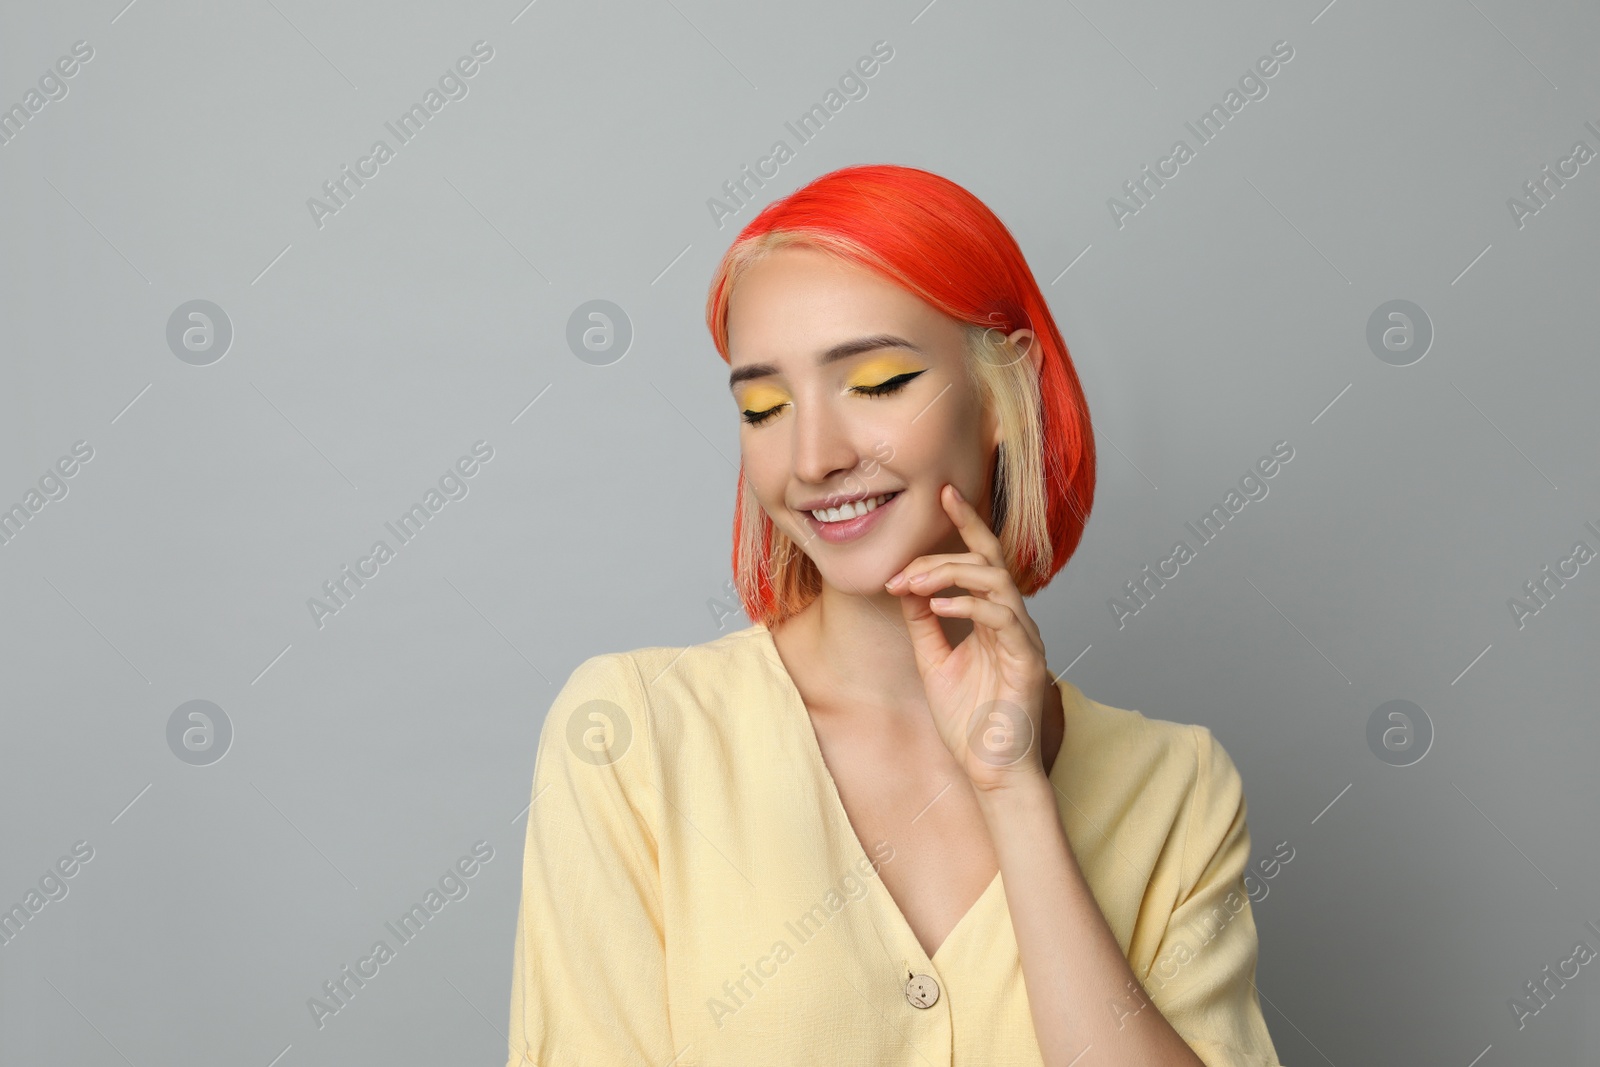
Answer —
864 583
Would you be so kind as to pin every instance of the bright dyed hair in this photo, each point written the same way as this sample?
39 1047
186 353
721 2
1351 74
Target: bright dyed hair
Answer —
937 241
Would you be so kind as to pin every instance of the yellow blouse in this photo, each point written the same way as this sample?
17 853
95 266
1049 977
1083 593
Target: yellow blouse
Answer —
693 893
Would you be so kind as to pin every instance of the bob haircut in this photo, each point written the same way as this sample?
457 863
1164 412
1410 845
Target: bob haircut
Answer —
937 241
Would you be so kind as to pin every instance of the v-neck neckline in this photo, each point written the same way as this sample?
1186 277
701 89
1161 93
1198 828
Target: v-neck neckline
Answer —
797 705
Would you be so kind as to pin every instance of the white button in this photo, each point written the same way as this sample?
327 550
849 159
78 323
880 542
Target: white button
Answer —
922 991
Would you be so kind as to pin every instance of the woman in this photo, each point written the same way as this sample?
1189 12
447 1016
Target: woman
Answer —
871 828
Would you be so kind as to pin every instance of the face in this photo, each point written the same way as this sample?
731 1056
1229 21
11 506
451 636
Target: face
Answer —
850 389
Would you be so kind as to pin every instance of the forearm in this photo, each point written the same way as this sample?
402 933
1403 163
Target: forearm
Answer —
1081 991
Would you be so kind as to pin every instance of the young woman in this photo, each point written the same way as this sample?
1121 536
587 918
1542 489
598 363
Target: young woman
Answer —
874 827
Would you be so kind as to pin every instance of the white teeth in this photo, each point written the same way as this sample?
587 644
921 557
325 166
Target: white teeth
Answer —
852 510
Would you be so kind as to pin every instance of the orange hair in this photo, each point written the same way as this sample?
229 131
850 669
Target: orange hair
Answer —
934 239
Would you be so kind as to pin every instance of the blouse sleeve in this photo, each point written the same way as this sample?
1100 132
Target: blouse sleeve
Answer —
589 969
1203 977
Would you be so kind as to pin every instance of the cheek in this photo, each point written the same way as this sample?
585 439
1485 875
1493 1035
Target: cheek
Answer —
950 424
931 448
765 474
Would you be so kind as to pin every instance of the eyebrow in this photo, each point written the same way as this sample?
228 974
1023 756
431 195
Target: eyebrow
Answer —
843 350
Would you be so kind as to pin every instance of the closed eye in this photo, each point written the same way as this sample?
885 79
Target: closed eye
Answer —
891 385
756 418
884 388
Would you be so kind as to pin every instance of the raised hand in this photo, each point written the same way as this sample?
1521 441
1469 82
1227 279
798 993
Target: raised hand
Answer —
987 694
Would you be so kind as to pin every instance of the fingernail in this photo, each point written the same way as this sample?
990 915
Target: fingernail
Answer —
957 492
894 583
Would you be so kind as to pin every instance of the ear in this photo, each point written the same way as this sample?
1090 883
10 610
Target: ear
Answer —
1027 343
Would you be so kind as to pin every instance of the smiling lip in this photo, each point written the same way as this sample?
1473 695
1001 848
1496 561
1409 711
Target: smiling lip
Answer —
839 532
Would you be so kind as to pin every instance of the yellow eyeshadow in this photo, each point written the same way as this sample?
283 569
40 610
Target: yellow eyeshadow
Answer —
761 397
880 370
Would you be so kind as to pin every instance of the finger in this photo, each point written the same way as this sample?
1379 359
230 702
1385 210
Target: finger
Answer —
980 538
924 562
994 582
928 640
974 531
1002 620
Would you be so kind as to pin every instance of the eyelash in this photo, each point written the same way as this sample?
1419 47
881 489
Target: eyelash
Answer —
884 388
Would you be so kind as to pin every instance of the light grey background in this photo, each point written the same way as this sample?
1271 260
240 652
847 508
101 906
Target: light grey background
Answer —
432 311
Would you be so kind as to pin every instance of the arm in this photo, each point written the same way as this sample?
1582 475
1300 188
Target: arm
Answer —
1200 1009
986 696
1074 969
589 971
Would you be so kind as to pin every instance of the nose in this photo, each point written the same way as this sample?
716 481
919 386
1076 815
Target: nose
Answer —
822 445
